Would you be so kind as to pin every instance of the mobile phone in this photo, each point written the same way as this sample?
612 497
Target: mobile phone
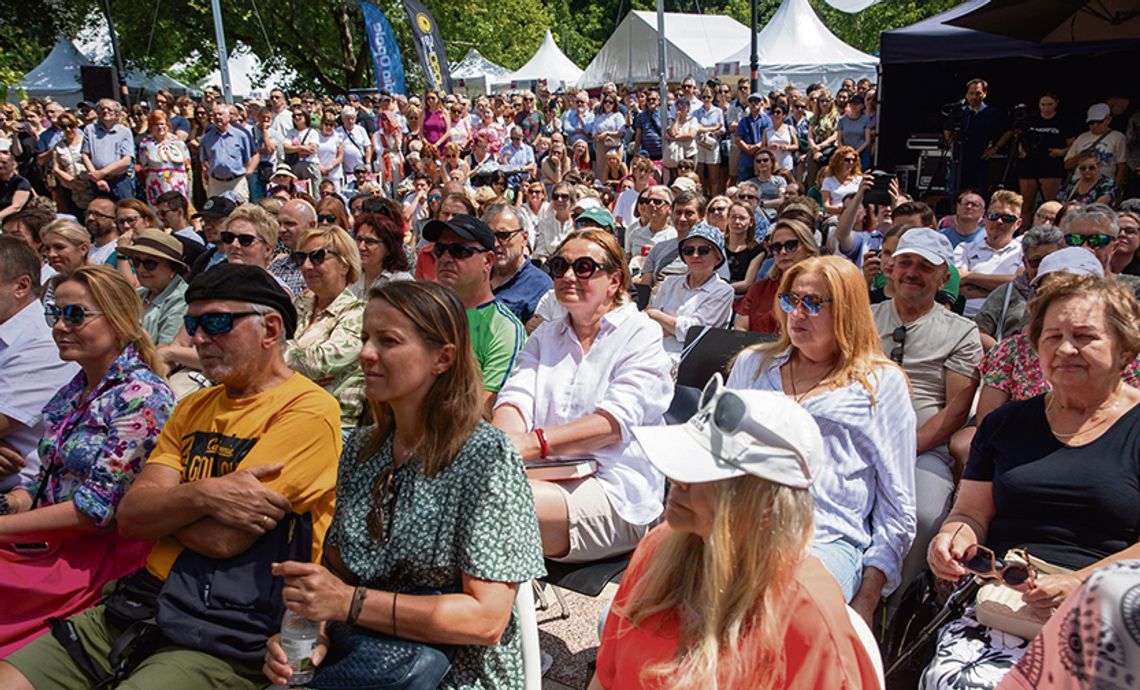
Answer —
880 191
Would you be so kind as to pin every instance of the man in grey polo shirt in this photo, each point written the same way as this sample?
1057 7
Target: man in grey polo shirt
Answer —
939 351
108 153
227 155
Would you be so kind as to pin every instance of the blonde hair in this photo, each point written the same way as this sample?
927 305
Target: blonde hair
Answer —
1007 197
263 222
727 586
453 406
340 242
73 232
803 233
121 307
860 349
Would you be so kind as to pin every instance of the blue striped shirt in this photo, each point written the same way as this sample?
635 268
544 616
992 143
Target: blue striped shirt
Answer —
865 494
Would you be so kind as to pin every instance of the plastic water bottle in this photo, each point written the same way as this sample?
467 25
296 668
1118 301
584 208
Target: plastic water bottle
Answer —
299 639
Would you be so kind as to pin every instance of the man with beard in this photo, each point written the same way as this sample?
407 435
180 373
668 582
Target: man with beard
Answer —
100 221
515 281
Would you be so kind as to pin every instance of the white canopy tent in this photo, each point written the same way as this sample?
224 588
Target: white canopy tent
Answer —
58 77
244 65
796 48
475 74
548 63
694 43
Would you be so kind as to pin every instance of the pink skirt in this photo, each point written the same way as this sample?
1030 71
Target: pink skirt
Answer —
62 581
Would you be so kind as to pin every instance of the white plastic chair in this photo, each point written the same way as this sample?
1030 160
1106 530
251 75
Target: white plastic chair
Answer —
869 643
528 631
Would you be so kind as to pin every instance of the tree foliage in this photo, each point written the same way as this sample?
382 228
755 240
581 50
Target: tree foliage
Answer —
323 40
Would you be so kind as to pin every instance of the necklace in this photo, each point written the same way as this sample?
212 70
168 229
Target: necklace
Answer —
1072 434
792 372
401 455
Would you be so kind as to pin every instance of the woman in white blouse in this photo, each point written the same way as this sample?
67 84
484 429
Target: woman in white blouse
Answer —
829 358
582 383
698 298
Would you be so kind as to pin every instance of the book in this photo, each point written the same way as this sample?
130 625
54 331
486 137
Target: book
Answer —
560 470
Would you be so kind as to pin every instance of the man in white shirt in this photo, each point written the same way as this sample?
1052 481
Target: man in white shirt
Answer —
30 369
282 121
993 259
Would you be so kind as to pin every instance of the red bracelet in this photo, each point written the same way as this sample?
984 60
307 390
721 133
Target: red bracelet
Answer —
544 447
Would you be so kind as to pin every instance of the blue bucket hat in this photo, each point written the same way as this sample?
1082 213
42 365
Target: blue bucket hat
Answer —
706 232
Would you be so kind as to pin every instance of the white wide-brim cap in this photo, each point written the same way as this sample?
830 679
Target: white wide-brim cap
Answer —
778 441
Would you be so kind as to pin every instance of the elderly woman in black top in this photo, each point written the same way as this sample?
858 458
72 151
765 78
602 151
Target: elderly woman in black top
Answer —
1057 475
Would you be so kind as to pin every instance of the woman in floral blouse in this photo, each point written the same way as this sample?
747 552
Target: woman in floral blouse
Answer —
327 341
435 526
58 541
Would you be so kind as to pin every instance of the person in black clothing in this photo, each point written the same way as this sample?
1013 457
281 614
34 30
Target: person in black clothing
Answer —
1041 158
14 189
974 129
1057 475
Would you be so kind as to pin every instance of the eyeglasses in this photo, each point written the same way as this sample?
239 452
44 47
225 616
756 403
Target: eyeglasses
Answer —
560 197
651 201
812 304
850 159
367 241
129 220
981 561
72 314
1088 168
703 250
748 197
243 240
315 257
970 203
781 247
1002 217
506 235
899 336
213 323
326 218
147 264
1094 241
718 209
584 266
455 250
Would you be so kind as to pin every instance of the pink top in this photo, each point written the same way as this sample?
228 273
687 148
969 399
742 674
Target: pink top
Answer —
435 126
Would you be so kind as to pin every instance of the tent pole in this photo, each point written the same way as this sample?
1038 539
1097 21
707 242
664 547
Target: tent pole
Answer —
223 59
754 58
662 84
124 92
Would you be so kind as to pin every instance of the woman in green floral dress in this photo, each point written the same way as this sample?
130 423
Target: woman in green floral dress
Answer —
430 499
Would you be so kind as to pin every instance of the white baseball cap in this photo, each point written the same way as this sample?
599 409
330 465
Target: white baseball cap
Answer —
927 243
738 432
1076 260
1098 112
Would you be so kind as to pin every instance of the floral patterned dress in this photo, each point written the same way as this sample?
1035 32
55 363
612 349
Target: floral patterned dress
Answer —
91 451
475 517
166 167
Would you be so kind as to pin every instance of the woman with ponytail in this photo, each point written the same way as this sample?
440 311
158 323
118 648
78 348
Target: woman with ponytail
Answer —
59 544
726 595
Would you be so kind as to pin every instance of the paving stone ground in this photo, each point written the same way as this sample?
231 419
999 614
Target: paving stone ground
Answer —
572 642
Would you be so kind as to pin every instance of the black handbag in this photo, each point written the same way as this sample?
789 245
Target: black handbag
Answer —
364 660
230 607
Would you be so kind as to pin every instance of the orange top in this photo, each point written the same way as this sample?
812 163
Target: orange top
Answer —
821 650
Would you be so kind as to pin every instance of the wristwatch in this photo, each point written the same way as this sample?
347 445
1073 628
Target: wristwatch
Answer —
4 507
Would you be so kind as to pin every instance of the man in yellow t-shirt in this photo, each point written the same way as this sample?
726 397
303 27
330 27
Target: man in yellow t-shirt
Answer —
231 462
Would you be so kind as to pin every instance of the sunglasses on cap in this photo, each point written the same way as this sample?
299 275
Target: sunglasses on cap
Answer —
243 240
812 304
584 267
1003 217
72 314
315 257
213 323
689 250
1094 241
781 247
455 250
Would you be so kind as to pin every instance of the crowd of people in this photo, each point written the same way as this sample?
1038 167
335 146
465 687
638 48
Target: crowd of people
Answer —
320 355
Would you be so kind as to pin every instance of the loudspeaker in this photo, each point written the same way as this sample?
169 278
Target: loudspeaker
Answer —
99 82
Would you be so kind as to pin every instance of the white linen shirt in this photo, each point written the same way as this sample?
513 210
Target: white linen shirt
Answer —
626 373
31 372
979 257
708 304
864 492
549 234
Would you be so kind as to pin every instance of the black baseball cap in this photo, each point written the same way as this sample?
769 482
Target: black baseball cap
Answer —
467 227
216 208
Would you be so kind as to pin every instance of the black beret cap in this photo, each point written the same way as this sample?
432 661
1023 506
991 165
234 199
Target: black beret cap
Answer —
244 283
467 227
